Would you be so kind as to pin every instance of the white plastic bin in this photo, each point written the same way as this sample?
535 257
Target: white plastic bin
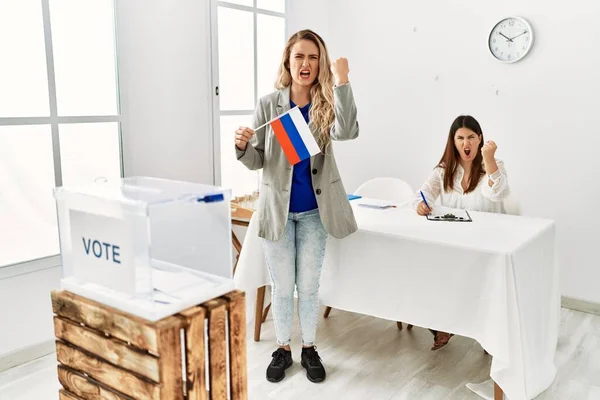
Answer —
147 246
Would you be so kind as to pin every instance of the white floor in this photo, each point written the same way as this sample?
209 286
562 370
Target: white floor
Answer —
368 358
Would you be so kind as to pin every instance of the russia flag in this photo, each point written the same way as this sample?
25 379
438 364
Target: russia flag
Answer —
294 136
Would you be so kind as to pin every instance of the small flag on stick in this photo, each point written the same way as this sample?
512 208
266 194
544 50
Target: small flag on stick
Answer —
294 136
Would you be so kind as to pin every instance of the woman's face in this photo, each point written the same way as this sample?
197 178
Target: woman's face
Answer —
467 143
304 62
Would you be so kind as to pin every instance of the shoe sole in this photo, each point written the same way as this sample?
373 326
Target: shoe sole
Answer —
313 380
273 380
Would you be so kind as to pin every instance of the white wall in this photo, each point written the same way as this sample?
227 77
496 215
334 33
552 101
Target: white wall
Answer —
165 89
415 66
303 15
26 309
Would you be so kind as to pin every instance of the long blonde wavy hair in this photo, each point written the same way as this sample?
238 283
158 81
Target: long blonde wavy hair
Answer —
321 93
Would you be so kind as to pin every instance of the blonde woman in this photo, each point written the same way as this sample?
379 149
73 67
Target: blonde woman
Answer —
300 205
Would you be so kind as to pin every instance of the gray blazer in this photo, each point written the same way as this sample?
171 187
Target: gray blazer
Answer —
265 152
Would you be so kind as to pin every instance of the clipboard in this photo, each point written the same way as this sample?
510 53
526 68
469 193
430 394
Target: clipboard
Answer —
451 217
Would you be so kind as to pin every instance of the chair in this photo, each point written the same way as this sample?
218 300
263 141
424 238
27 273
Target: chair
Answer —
384 188
391 189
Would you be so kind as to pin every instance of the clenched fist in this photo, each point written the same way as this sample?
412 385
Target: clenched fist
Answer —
489 150
340 70
242 136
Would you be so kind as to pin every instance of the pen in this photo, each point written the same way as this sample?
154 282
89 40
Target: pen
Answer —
424 200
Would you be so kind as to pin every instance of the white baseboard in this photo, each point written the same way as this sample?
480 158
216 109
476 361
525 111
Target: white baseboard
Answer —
26 354
581 305
29 267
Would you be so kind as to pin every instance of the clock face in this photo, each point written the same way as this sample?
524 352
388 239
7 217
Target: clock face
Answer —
511 39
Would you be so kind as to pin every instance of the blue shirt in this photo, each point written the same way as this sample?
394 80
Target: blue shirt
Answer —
302 196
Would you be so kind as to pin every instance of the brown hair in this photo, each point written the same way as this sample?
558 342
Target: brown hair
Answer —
450 159
321 93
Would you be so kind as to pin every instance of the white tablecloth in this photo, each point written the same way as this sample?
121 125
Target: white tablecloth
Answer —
494 279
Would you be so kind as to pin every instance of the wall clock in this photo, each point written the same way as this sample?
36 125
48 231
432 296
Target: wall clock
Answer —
510 39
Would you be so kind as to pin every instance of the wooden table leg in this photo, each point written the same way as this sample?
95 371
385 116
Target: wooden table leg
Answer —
238 247
498 393
266 313
260 303
236 242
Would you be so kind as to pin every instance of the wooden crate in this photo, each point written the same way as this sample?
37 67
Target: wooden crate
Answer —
106 354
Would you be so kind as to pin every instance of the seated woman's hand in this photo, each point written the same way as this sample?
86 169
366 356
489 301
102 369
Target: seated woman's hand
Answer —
422 209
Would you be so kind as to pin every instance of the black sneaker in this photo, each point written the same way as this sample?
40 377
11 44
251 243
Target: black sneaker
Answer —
282 360
315 372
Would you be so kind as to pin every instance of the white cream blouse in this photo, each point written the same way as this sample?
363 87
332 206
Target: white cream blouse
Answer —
484 198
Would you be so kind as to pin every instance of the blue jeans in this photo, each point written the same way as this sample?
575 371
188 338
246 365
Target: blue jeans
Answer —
295 261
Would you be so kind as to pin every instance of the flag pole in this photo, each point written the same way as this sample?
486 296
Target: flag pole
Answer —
262 126
277 117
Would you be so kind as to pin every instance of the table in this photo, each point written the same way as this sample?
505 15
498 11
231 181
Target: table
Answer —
497 275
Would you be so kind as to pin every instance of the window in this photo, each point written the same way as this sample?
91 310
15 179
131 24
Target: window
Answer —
59 118
248 39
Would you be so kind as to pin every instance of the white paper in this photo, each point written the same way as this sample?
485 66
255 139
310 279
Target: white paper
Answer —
102 251
164 298
170 282
484 389
373 203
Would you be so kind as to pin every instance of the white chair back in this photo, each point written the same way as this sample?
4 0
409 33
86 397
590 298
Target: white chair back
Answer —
390 189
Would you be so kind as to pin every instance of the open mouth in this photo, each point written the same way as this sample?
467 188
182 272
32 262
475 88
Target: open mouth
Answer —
468 152
305 74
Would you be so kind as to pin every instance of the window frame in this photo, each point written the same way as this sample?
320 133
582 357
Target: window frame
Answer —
53 120
214 40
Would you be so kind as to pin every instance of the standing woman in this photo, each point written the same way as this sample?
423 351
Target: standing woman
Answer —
300 205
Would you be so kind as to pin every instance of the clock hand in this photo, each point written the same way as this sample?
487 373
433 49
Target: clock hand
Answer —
507 38
524 32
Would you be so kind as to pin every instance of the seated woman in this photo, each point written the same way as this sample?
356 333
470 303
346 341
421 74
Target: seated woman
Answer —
467 177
